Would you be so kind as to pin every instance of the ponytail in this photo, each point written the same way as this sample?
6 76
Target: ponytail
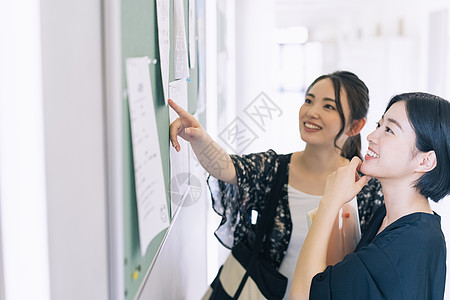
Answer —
352 147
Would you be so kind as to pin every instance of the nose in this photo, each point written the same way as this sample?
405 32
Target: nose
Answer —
371 138
312 112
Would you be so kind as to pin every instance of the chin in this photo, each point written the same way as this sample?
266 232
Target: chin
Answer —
303 138
311 139
365 169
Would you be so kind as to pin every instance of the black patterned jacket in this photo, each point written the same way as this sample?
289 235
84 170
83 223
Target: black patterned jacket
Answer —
255 173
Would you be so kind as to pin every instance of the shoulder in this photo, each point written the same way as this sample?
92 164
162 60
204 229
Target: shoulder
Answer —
414 249
253 162
416 235
268 155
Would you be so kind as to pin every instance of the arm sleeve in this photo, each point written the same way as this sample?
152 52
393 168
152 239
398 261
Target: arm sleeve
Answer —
340 281
233 203
367 274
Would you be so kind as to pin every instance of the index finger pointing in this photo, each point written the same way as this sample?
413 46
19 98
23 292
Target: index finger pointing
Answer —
178 109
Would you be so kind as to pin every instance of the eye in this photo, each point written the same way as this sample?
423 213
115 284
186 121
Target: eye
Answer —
378 125
388 130
308 101
328 106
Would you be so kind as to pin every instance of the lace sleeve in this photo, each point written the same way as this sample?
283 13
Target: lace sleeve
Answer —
234 202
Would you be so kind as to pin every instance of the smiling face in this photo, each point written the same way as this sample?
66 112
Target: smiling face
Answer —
319 120
392 151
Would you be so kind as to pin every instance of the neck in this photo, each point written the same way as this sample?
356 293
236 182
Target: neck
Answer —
316 159
402 199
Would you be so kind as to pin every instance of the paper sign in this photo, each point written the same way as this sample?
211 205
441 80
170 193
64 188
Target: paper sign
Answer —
163 17
179 161
192 34
153 215
181 67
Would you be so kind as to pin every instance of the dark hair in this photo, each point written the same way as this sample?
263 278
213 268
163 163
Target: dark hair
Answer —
358 101
429 116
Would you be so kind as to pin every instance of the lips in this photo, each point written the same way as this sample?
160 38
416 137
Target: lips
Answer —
371 154
311 127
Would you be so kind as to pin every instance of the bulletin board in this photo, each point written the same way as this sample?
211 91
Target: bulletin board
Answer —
139 38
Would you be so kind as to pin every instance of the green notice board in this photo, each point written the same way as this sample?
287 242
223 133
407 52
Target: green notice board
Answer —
140 38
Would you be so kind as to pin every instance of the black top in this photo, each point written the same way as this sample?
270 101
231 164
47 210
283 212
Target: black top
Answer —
405 261
255 174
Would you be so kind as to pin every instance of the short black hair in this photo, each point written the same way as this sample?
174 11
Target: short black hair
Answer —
429 116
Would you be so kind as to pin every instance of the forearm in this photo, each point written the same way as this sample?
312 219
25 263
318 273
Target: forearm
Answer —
313 255
214 159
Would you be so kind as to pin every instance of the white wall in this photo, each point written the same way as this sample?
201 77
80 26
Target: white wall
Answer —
254 63
75 148
53 155
24 253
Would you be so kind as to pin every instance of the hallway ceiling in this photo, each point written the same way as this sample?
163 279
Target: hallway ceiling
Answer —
313 13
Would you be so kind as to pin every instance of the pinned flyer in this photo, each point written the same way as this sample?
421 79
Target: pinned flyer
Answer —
179 161
153 214
181 63
163 11
192 34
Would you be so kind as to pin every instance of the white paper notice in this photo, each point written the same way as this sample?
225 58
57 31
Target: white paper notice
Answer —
153 214
192 34
179 94
181 66
162 8
179 161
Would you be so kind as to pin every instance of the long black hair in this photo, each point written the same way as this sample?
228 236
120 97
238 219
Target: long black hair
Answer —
358 102
429 116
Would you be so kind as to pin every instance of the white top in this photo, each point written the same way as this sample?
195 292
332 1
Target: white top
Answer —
299 204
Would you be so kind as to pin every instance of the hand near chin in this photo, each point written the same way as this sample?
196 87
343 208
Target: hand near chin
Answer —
343 185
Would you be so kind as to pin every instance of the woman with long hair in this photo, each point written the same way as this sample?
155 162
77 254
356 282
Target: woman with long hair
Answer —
330 119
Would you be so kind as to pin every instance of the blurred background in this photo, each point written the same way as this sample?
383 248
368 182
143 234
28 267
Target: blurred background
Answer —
279 47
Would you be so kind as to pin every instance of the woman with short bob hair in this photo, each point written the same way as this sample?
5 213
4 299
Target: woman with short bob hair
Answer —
403 253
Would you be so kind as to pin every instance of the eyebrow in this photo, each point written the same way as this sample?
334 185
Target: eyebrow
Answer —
326 99
395 122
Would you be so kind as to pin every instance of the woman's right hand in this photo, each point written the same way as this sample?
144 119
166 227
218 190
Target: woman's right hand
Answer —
343 185
211 156
185 126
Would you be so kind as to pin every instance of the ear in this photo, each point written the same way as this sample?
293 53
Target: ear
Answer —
427 161
356 127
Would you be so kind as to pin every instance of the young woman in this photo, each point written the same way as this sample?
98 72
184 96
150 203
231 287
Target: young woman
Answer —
330 120
403 253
